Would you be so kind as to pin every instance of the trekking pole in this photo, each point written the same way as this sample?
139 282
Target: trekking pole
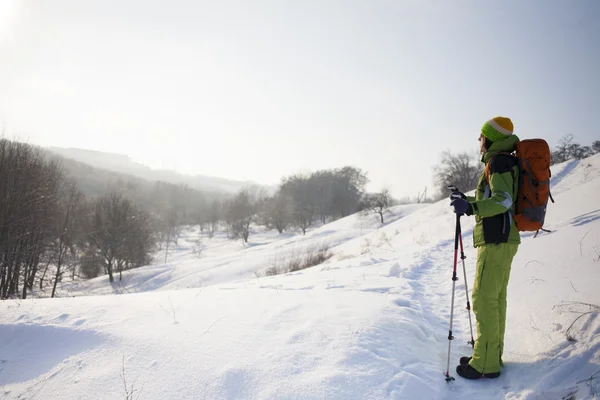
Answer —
457 240
455 195
454 279
462 257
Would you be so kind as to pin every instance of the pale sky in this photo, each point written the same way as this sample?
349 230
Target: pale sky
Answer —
259 90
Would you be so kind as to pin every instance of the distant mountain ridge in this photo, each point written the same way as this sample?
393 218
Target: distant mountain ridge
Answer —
124 164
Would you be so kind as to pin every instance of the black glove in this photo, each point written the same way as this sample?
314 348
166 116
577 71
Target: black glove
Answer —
462 207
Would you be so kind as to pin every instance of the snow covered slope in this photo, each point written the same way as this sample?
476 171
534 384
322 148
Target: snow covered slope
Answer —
370 323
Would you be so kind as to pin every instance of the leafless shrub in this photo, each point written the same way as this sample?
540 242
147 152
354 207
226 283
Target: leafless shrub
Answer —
172 312
273 270
382 240
365 247
581 242
198 247
577 307
592 383
422 240
313 255
129 391
387 240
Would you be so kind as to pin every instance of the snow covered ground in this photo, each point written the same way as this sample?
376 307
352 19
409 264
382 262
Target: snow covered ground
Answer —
369 323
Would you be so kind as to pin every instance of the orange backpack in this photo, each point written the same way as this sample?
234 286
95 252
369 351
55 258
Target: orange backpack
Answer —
533 158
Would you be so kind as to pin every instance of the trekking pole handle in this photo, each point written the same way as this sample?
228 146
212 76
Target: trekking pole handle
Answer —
456 193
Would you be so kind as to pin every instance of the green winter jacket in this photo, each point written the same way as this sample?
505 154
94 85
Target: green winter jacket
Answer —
493 204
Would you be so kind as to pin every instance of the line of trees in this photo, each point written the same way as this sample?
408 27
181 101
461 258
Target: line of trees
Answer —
323 196
567 149
81 222
298 202
171 205
49 228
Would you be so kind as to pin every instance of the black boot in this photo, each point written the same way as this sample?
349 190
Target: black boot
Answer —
465 360
468 372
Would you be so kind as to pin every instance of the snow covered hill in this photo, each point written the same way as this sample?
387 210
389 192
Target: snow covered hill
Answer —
369 323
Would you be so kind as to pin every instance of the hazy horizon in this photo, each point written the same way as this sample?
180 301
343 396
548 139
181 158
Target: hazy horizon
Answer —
79 155
265 90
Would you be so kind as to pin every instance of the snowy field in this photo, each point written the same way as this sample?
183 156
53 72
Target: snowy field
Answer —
369 323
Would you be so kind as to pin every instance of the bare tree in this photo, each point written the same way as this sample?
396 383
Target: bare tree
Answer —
321 186
242 210
422 196
324 194
280 210
68 228
108 228
214 217
377 203
302 216
461 169
140 243
171 229
300 189
28 208
348 189
561 151
121 236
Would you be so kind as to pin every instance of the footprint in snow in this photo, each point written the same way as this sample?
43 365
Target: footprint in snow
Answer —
402 302
557 327
395 271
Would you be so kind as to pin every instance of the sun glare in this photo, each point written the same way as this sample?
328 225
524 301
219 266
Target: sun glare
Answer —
7 12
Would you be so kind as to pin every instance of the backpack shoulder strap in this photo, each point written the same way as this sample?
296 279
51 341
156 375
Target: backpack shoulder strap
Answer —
499 164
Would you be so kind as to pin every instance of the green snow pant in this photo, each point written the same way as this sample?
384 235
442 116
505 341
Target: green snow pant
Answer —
489 304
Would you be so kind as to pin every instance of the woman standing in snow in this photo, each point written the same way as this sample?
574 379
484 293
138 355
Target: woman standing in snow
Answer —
497 239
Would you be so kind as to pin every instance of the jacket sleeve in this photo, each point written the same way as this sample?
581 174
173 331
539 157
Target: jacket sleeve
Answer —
501 190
